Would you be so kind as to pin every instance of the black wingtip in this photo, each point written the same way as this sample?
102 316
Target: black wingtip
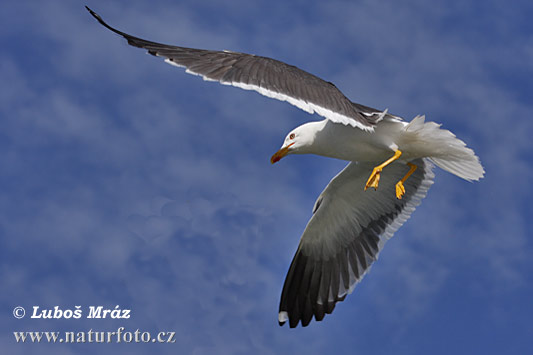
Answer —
103 23
132 40
292 324
95 15
98 18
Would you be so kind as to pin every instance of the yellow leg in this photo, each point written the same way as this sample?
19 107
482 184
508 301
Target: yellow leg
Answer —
400 189
373 180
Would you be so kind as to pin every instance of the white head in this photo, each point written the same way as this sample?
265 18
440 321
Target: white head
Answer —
299 141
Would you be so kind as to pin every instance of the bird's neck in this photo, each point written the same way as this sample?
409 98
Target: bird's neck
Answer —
336 140
316 140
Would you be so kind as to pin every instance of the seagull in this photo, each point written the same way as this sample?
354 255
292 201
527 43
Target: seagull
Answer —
390 170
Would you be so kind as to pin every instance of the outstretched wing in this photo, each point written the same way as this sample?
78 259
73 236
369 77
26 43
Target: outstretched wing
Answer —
343 238
267 76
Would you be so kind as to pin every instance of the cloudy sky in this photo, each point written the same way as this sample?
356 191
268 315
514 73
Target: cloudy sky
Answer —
127 182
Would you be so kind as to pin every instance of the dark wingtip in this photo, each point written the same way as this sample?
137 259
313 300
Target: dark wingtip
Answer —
132 40
97 17
94 14
102 22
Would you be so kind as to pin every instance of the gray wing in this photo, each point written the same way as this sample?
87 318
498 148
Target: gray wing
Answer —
343 238
267 76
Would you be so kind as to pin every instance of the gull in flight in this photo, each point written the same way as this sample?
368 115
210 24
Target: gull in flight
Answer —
389 172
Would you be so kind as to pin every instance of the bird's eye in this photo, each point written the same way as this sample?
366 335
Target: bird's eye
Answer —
292 136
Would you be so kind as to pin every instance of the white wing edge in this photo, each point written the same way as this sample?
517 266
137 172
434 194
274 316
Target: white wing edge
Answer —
301 104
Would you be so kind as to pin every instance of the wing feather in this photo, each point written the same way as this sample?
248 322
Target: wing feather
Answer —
267 76
347 231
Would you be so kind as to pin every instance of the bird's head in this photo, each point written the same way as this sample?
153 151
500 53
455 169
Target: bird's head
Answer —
298 141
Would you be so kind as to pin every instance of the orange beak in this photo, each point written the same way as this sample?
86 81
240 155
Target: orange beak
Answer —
280 154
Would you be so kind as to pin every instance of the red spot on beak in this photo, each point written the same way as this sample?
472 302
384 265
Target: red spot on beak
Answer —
280 154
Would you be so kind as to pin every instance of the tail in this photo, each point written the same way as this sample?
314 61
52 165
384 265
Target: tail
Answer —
445 150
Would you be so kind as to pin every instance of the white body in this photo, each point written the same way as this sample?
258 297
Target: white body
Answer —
416 139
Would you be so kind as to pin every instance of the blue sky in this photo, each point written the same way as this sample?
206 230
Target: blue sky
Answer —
127 182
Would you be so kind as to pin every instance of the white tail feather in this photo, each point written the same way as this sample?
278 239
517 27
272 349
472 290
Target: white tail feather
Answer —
444 149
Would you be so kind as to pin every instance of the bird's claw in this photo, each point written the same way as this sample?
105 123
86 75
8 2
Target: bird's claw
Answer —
400 190
373 180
